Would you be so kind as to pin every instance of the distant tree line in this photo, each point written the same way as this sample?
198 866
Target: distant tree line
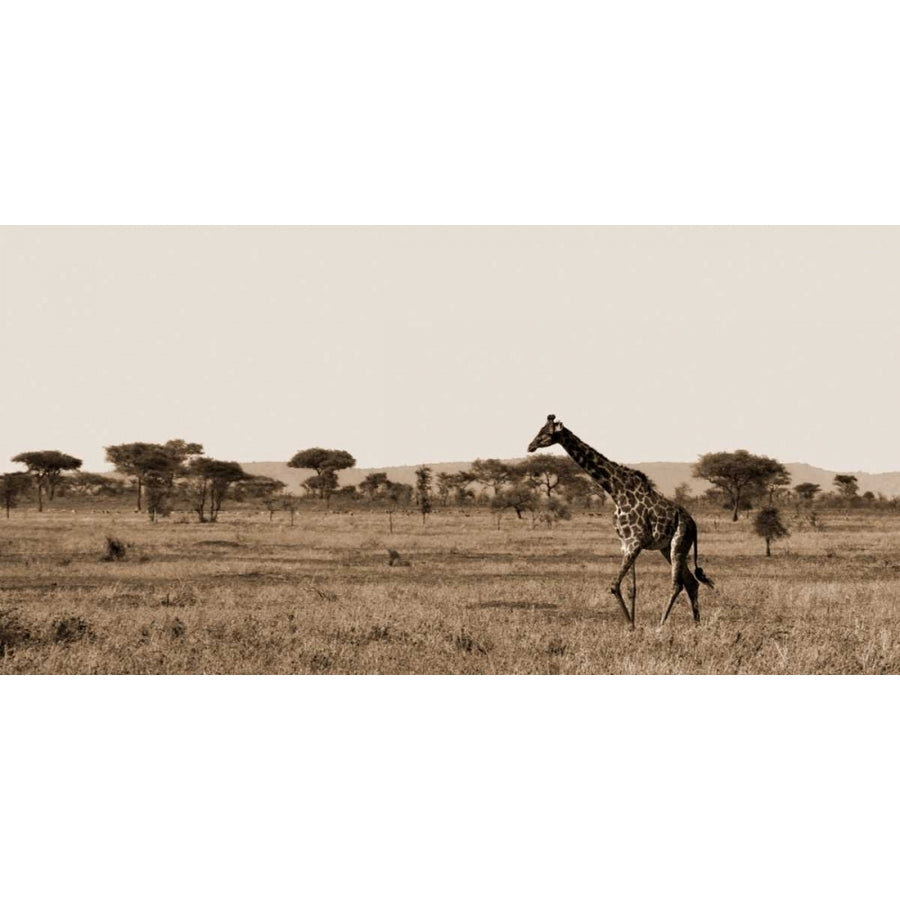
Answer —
742 482
159 475
544 487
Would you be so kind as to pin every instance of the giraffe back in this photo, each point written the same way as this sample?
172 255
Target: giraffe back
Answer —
643 515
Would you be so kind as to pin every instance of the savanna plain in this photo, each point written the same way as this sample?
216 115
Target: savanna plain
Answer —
252 596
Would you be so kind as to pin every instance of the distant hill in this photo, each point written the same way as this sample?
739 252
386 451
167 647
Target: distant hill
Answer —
666 475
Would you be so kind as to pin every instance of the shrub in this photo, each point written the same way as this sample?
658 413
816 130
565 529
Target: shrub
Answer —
554 511
70 629
13 632
768 525
115 550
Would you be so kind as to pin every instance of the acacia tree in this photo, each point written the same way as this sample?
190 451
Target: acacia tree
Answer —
322 462
138 459
158 483
12 486
423 491
807 490
323 485
491 473
458 485
768 525
158 466
547 472
46 467
212 478
221 476
398 493
123 457
583 490
740 474
847 486
518 497
777 485
454 486
444 486
374 484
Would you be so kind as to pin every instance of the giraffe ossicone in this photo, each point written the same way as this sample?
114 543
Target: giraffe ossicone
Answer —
644 518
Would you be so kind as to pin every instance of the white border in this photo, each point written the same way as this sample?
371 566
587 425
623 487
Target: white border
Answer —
487 113
471 113
447 787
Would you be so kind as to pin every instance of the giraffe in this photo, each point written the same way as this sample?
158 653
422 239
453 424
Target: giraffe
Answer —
645 520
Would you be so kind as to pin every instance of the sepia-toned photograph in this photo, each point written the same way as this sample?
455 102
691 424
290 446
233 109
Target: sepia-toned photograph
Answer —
449 450
449 349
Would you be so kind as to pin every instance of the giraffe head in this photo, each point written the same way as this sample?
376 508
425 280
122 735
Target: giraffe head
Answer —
547 436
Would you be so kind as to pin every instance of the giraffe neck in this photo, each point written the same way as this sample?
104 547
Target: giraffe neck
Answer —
604 471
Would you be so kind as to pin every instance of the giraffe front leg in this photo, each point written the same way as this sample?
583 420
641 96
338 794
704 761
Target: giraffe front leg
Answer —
630 555
633 591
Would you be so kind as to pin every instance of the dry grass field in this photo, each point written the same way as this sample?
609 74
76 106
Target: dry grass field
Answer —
249 596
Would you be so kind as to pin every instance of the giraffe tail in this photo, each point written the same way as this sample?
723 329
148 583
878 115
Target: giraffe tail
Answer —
699 574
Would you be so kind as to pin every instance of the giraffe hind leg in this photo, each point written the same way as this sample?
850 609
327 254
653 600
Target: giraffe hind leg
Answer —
692 586
676 590
676 587
633 591
678 553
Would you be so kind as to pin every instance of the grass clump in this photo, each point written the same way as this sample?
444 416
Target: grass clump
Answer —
115 550
14 633
69 629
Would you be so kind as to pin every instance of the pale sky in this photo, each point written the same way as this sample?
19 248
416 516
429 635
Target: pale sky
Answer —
410 345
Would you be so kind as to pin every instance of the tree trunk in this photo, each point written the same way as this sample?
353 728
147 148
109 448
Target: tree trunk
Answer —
139 486
737 503
391 520
40 497
768 547
200 505
7 506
